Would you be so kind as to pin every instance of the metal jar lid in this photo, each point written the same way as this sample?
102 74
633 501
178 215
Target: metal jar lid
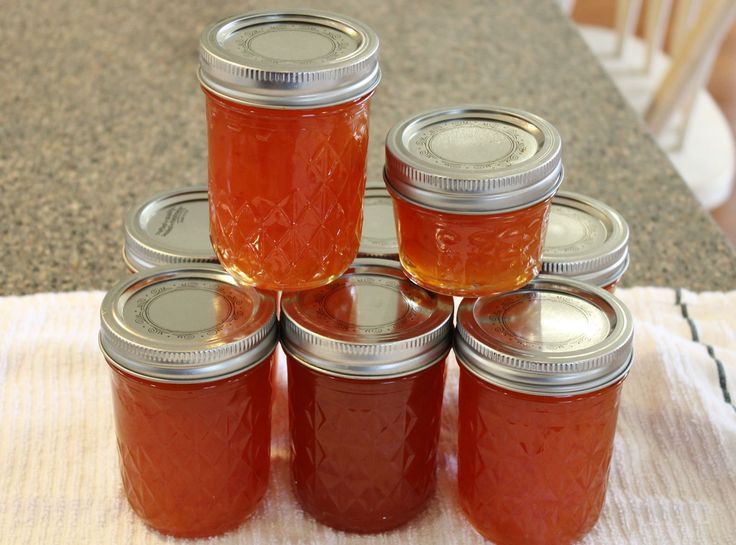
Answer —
371 323
188 323
474 159
554 337
170 227
379 229
586 239
289 59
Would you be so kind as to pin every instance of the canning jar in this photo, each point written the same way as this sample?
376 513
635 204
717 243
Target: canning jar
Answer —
379 228
168 228
287 100
586 240
190 354
366 362
471 188
541 371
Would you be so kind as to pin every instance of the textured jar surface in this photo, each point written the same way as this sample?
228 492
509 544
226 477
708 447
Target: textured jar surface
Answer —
532 469
467 254
194 457
286 190
363 452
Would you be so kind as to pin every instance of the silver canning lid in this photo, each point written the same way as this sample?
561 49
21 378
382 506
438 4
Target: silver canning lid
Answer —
586 239
554 337
188 323
379 230
167 228
474 159
371 323
289 59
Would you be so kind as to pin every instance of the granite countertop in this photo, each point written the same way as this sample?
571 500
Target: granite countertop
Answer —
100 106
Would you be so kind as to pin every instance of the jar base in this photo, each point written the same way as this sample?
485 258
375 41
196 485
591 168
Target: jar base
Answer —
245 280
466 292
366 529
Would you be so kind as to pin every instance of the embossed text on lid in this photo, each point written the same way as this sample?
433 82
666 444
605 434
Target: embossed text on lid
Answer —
289 59
556 336
586 239
372 322
473 159
379 229
186 323
169 227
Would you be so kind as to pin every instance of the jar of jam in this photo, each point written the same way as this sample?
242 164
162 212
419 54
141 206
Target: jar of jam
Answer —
366 362
190 354
541 371
586 240
287 96
379 227
472 187
168 228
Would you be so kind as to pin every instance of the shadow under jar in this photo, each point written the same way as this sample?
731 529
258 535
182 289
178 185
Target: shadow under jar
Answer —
366 361
287 96
471 188
586 240
191 357
168 228
541 371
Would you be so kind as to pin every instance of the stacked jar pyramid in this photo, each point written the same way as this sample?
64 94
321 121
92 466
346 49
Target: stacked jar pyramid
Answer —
286 249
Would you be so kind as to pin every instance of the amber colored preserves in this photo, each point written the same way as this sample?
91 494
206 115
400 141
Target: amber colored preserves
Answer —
194 457
364 451
286 190
472 186
191 355
533 469
470 255
541 372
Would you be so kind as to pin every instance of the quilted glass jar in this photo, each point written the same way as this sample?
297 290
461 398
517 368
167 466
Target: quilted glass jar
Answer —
168 228
366 361
472 187
586 240
190 354
287 99
541 371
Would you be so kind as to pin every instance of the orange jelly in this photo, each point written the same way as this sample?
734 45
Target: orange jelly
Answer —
541 372
533 469
286 191
191 355
471 188
366 361
288 96
470 255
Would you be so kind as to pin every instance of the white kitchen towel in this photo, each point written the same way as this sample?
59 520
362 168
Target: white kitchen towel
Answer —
673 478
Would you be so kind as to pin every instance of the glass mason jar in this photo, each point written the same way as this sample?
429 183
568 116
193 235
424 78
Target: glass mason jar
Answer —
541 371
168 228
472 187
379 226
287 96
366 361
190 354
586 240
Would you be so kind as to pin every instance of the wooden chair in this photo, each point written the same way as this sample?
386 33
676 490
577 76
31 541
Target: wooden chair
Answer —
668 88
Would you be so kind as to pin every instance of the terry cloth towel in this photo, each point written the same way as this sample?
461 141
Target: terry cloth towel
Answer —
673 478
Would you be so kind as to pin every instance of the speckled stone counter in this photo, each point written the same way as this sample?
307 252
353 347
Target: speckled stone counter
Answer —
100 106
